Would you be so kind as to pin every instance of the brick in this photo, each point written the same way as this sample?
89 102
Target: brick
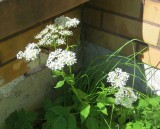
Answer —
131 28
92 17
152 11
12 71
150 56
108 41
19 15
150 34
127 7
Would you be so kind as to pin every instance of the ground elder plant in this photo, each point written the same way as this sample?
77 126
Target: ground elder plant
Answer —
97 96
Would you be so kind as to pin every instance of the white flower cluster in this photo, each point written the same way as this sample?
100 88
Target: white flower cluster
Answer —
59 58
67 22
118 78
56 33
125 96
31 52
53 35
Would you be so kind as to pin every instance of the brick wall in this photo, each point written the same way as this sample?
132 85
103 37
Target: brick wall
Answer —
111 23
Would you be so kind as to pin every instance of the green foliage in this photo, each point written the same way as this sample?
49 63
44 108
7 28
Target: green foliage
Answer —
85 110
60 84
92 123
20 120
88 101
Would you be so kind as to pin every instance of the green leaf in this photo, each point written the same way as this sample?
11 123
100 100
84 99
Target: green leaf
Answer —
59 110
85 110
92 123
102 108
137 125
142 104
47 104
107 100
21 120
57 72
72 122
50 116
81 94
153 101
60 84
122 118
129 125
70 79
60 123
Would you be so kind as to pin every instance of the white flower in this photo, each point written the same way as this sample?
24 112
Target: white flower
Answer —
20 55
31 52
125 97
60 41
72 23
59 58
67 22
54 33
65 33
117 78
69 57
61 21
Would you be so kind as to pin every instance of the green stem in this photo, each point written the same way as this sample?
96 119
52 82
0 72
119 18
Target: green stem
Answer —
75 92
111 115
70 70
106 121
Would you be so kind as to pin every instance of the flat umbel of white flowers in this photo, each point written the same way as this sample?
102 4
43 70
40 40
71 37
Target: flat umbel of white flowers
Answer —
56 33
31 52
59 58
117 78
125 97
53 35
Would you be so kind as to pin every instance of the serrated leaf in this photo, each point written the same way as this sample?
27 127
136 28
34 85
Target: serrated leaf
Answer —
92 123
59 110
72 122
60 84
137 125
142 104
20 119
60 123
102 108
153 101
50 116
85 110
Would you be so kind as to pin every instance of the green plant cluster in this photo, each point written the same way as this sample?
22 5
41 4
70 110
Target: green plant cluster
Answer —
87 101
95 97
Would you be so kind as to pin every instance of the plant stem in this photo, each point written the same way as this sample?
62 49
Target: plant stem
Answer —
111 115
75 92
106 122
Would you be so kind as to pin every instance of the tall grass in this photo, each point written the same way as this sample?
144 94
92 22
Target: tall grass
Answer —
90 78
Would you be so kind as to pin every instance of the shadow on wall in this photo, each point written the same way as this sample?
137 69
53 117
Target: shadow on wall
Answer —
108 25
